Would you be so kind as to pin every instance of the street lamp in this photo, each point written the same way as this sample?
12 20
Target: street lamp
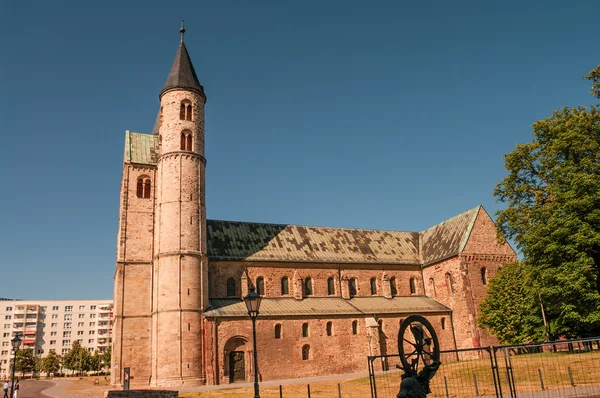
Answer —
16 343
252 301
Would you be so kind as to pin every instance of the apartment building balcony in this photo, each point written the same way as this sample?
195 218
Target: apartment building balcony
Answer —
18 326
20 310
29 342
29 333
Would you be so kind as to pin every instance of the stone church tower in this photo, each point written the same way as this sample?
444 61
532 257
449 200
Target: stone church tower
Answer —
161 278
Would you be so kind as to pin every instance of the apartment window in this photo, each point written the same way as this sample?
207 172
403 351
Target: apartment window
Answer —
7 326
81 307
65 350
54 325
52 333
305 352
92 307
92 323
260 286
43 316
80 324
308 290
91 350
285 286
330 286
66 343
8 309
278 331
5 344
352 287
373 284
55 308
67 325
92 332
68 317
66 334
92 315
8 317
5 334
68 308
54 316
44 308
79 332
354 327
40 351
329 328
305 330
230 287
413 287
80 341
393 287
81 316
91 341
4 352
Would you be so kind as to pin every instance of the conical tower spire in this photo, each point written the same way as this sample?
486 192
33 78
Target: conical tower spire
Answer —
182 73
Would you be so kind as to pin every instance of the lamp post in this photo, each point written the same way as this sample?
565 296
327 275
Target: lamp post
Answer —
252 301
16 343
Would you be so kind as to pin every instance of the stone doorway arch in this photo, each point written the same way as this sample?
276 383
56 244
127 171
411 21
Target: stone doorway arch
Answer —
237 360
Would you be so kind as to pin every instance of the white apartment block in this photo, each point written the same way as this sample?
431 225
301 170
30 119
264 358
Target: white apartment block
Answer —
46 325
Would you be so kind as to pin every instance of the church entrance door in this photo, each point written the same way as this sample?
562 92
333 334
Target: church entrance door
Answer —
237 369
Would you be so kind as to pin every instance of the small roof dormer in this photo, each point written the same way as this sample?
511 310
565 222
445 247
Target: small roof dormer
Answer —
182 74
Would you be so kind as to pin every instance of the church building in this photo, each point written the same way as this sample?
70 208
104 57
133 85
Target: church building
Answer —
331 296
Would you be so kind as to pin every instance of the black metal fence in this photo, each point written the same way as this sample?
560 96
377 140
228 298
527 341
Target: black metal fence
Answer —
552 369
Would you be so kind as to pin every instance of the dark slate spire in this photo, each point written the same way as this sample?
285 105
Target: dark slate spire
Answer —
182 73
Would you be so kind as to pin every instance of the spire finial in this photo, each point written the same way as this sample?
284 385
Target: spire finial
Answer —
182 30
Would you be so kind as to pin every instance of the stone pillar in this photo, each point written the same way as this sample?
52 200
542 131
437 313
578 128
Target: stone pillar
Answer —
298 286
386 287
245 285
345 287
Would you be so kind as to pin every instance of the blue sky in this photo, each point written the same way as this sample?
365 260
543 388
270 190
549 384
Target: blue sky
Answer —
380 115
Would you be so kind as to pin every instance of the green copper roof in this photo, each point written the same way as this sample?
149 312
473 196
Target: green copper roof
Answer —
141 148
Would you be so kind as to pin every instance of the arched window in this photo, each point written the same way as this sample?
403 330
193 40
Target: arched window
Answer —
432 286
285 289
230 287
352 287
484 276
373 286
182 111
260 286
449 283
188 112
393 288
443 323
308 290
305 352
305 330
329 327
278 331
182 146
354 327
413 287
330 286
143 188
186 140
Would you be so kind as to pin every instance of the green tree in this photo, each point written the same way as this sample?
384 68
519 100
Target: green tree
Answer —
51 363
510 310
553 214
77 358
95 362
106 357
26 362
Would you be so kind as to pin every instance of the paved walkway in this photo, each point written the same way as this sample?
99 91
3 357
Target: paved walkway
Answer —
55 391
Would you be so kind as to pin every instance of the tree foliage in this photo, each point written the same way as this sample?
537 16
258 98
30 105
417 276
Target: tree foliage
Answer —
51 362
26 362
510 310
106 357
95 363
553 195
77 358
594 77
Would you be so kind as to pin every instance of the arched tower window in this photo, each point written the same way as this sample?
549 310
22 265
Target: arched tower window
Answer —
352 287
182 111
278 331
330 286
308 290
186 140
373 286
260 286
185 110
188 112
144 186
449 283
484 276
432 286
230 287
354 327
305 330
285 289
329 328
393 288
443 323
413 286
305 352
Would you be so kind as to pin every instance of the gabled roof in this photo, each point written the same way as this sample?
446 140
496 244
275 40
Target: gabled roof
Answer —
182 74
232 240
447 238
141 148
316 306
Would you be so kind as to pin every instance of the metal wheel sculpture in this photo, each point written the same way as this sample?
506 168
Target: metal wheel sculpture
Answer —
418 345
